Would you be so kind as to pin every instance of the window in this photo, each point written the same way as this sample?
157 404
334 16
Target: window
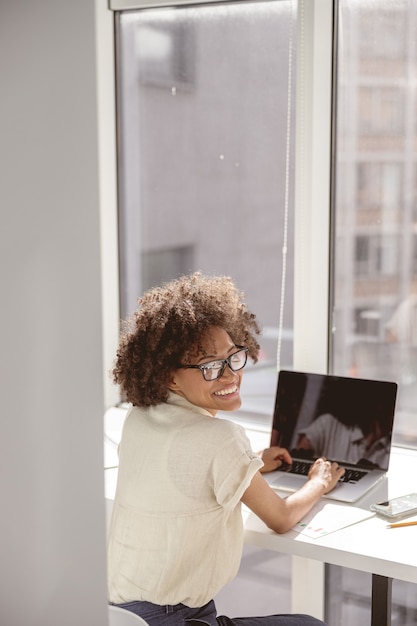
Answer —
371 287
376 256
374 287
206 124
367 322
379 187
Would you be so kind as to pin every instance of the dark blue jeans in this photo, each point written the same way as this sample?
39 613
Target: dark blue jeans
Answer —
181 615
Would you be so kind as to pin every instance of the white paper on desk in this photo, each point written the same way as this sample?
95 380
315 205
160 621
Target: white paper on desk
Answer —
326 519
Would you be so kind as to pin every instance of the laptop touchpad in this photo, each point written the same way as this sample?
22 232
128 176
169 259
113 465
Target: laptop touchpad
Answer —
283 480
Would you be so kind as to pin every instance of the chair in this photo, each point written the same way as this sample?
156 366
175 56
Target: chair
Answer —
121 617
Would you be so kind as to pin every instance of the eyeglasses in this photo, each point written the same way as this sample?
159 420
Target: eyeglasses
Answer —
215 369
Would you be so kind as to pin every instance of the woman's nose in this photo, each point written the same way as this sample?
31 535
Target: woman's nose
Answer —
228 372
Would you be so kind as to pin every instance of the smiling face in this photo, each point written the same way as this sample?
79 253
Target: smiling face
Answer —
222 394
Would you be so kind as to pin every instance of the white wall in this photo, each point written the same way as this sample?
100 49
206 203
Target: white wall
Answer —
52 529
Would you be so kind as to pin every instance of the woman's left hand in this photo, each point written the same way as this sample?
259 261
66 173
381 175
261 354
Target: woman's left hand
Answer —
273 458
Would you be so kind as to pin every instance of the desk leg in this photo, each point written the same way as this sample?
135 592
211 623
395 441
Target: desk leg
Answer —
381 600
307 587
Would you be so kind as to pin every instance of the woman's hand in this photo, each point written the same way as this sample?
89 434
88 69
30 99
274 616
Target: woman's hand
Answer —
273 458
326 472
280 514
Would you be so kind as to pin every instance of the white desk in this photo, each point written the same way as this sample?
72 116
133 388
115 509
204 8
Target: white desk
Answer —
368 546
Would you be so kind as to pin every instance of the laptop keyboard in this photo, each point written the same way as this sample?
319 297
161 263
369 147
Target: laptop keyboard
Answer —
303 467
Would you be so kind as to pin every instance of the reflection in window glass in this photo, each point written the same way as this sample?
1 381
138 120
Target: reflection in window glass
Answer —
205 103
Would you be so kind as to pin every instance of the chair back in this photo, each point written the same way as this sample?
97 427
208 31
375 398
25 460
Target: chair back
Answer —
121 617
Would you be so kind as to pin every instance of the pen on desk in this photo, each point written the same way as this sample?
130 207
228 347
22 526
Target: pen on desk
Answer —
400 524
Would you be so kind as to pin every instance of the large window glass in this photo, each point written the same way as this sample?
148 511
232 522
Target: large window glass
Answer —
374 269
206 116
375 277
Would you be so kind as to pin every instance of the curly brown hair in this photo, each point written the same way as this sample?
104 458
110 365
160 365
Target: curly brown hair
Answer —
169 324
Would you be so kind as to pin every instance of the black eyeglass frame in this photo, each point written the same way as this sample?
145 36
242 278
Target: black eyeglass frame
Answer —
204 366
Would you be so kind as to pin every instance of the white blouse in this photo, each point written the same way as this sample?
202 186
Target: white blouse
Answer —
176 532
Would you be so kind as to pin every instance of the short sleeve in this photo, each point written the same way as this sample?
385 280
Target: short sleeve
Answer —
234 467
318 431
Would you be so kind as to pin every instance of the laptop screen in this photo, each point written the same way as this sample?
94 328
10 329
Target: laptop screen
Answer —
349 420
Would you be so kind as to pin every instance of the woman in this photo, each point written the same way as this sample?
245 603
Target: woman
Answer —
176 533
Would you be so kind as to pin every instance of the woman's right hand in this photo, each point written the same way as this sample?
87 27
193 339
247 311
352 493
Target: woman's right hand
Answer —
327 472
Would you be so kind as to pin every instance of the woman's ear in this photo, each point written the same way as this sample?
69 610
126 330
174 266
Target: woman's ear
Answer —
172 383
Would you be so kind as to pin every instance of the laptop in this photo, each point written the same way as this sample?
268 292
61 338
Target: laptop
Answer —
347 420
